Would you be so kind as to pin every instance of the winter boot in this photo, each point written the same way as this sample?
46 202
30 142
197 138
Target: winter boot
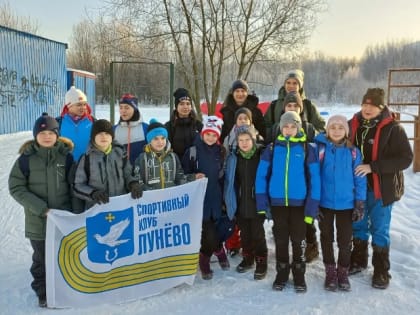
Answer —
222 258
359 256
311 251
246 263
298 271
42 301
283 270
204 262
261 267
330 283
381 265
343 278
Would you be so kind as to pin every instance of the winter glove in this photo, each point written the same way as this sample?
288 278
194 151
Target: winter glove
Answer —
358 211
100 197
309 220
136 190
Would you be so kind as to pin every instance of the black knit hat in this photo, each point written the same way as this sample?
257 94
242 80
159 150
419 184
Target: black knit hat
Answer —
243 110
375 97
293 97
45 122
101 125
239 84
181 94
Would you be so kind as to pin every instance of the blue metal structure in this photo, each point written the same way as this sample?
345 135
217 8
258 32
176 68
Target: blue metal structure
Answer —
32 79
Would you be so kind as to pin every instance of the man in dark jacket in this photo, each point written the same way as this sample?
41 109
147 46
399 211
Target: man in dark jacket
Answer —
386 153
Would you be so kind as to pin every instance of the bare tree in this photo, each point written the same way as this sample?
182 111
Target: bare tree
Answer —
10 19
203 35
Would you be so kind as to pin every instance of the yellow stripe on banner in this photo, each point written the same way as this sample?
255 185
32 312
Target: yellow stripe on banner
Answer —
84 280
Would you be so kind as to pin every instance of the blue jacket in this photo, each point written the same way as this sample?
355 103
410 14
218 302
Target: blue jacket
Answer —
209 161
78 132
288 175
340 188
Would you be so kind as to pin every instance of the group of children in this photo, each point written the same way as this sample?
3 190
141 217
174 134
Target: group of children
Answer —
290 180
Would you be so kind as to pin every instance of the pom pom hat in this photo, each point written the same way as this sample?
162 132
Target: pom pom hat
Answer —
45 122
155 129
131 100
74 96
212 124
340 120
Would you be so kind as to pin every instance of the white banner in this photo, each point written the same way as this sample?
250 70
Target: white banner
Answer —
126 249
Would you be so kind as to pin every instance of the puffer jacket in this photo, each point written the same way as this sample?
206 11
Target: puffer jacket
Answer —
341 188
132 135
96 170
46 186
158 171
288 175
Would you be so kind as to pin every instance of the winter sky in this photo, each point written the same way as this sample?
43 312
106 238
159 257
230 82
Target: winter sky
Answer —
345 29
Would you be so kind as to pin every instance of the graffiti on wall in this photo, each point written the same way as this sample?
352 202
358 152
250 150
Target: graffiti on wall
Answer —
15 90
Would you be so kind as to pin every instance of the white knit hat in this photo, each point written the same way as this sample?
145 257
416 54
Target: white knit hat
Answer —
212 124
74 96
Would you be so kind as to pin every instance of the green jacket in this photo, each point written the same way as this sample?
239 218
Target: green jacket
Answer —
46 186
310 110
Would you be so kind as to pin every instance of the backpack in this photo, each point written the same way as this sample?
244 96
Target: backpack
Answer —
23 161
321 152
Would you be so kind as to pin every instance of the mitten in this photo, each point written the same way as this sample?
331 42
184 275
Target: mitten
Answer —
309 220
100 197
136 190
358 211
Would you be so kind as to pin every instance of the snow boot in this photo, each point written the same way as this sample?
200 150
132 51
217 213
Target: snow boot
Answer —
261 267
331 281
381 265
246 263
222 258
283 270
298 271
204 262
42 301
359 256
311 251
343 278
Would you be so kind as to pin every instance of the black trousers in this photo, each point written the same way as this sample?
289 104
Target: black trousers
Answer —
209 238
38 268
343 225
288 225
253 235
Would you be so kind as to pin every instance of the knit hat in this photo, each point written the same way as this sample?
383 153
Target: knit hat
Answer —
155 129
212 124
45 122
340 120
101 125
296 74
290 118
74 96
374 96
130 99
293 97
249 130
181 94
243 110
239 84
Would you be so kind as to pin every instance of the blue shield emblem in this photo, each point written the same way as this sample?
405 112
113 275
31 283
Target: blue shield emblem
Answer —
110 236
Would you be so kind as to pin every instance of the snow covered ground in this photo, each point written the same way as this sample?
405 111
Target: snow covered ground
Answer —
228 292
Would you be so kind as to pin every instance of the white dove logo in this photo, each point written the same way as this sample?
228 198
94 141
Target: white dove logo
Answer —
115 231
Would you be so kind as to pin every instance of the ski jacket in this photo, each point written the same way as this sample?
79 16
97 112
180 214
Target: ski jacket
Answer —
78 132
385 147
132 135
288 175
340 187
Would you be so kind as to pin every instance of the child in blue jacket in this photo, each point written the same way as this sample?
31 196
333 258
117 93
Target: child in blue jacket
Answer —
288 182
342 199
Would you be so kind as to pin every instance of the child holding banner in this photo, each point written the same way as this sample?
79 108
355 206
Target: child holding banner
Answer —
38 181
206 158
104 170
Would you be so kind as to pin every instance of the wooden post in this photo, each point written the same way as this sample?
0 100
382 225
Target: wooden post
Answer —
416 146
